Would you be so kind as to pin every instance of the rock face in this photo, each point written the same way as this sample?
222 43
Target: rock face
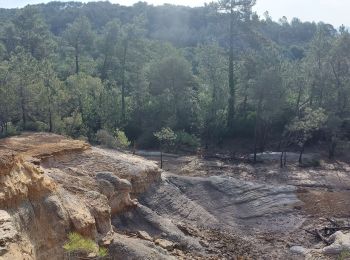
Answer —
8 232
116 190
51 185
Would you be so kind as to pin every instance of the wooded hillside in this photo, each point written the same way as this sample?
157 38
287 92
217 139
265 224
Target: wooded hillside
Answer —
209 74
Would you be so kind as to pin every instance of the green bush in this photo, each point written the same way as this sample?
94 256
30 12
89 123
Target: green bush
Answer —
73 126
10 130
36 126
102 252
122 140
106 139
184 139
78 243
119 140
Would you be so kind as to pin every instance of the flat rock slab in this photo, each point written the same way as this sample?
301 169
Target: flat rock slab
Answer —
225 202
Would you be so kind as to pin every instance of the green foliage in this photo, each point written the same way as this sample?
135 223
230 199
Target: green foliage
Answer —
106 139
121 139
78 243
118 140
76 68
166 137
304 127
102 252
73 125
8 130
37 126
186 140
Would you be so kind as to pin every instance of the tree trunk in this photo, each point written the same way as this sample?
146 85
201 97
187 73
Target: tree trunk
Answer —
297 109
256 129
77 59
123 80
50 121
161 159
331 148
231 105
301 154
281 159
50 102
23 108
256 138
285 159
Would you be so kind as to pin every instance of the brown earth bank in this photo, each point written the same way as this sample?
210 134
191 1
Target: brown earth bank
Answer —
195 209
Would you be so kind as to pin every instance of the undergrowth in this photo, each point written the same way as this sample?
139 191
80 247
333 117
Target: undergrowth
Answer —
77 242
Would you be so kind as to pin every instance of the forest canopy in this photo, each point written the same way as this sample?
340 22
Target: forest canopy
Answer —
208 73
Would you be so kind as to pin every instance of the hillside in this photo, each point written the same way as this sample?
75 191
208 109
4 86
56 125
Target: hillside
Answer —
209 76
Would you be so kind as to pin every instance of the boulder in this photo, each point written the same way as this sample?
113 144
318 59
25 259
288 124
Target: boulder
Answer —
299 250
341 243
144 235
116 190
168 245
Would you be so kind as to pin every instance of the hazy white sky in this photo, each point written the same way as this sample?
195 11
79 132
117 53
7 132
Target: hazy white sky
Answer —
335 12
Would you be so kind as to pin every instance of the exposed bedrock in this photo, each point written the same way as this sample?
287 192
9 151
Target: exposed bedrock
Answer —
51 185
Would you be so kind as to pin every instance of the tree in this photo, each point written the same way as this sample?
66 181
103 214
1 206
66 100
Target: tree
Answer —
130 37
237 9
303 128
166 138
263 87
8 100
32 33
85 94
214 90
23 77
52 86
174 91
79 36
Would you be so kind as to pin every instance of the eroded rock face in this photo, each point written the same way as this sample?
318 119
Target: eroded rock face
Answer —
116 190
8 232
51 185
21 180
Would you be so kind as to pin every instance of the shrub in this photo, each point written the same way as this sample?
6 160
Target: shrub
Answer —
119 140
166 137
73 126
103 252
78 243
106 139
36 126
122 140
187 140
9 130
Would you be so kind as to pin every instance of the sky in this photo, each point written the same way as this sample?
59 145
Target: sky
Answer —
335 12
